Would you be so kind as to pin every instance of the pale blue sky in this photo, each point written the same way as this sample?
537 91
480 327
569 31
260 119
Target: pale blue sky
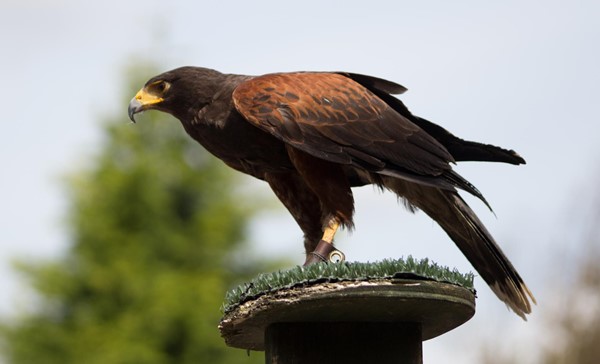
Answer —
520 74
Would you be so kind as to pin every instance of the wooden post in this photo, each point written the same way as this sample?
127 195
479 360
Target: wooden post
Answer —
343 342
381 321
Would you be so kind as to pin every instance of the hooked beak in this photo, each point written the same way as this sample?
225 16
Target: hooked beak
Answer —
140 102
134 107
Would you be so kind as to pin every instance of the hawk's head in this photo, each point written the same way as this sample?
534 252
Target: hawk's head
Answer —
177 91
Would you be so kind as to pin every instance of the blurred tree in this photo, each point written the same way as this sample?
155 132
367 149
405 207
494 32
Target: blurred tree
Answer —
573 322
575 317
154 224
579 326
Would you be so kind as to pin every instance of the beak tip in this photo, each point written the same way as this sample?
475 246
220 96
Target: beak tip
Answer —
134 107
132 117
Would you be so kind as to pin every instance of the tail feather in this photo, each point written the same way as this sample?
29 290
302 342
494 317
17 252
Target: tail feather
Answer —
496 270
453 214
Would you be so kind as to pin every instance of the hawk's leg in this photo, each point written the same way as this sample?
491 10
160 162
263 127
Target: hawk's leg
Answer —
319 197
325 251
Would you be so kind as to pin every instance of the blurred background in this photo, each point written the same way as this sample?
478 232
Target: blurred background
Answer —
118 241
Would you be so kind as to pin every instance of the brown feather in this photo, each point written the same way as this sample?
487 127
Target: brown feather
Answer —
460 222
312 136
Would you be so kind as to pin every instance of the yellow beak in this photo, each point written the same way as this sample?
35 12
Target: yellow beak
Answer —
142 101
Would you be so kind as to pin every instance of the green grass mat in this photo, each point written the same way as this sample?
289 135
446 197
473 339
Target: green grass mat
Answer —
348 271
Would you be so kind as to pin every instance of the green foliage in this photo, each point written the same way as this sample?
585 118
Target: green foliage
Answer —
154 222
349 271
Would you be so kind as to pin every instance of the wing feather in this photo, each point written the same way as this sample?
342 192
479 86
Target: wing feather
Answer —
332 117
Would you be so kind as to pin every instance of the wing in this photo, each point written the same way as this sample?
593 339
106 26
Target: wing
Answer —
461 150
332 117
375 83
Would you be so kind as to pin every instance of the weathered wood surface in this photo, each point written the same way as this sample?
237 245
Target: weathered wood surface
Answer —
434 306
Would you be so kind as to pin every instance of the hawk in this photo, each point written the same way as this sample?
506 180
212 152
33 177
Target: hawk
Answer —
312 136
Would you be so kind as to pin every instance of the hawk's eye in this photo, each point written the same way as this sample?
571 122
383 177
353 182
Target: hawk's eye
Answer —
159 87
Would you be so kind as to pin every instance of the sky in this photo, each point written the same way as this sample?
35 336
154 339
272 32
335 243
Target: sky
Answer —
519 74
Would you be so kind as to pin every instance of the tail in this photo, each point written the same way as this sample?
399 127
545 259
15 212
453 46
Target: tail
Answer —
453 214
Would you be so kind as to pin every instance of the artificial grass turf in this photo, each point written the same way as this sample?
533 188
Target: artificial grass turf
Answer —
347 271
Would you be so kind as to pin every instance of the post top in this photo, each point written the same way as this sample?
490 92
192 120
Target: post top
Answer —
438 306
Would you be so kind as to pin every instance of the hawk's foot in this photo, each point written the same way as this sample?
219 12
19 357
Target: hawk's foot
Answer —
325 252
